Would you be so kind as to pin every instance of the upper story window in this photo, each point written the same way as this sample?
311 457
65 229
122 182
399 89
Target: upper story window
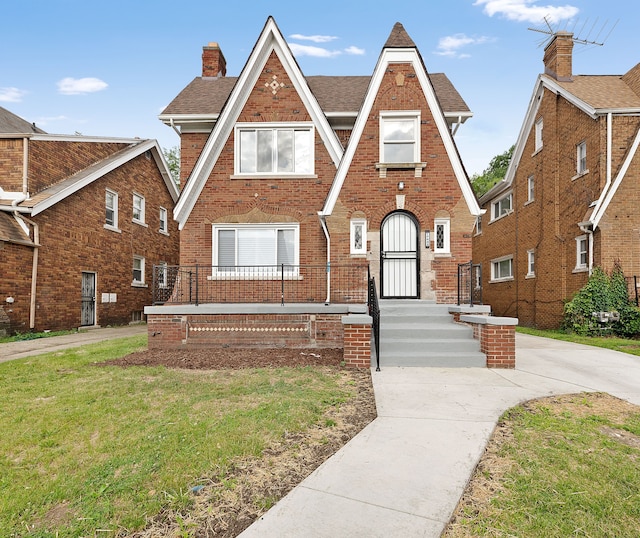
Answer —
399 137
138 208
581 158
442 241
502 206
582 253
530 189
478 224
256 249
358 236
164 223
538 135
531 263
111 209
274 149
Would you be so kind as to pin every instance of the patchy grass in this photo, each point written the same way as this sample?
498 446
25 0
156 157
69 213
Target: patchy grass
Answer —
33 336
90 450
556 467
632 347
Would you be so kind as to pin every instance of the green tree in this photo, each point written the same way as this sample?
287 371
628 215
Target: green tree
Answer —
495 172
172 156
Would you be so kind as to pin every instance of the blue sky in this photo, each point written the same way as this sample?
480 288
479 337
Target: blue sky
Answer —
108 68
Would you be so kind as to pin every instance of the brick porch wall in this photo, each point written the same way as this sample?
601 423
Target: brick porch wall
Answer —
497 336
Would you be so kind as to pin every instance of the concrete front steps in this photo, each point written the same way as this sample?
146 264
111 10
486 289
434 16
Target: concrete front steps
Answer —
422 333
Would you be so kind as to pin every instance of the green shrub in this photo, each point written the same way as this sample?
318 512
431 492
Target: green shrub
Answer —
602 293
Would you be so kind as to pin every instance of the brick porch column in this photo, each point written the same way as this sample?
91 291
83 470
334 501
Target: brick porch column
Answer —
357 340
497 337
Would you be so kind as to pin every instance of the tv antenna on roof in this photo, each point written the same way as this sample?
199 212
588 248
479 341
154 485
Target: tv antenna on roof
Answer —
578 37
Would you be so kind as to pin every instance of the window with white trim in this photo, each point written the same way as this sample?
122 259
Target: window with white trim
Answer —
582 253
256 249
164 223
358 236
138 208
538 134
442 240
531 260
502 269
399 137
478 224
138 270
530 189
111 209
581 158
274 149
502 206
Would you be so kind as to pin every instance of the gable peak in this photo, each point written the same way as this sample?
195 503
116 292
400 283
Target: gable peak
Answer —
399 38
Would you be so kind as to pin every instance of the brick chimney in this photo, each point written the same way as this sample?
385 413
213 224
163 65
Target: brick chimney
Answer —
558 57
213 62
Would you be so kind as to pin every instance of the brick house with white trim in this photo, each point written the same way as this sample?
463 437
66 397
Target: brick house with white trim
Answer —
295 186
82 222
570 198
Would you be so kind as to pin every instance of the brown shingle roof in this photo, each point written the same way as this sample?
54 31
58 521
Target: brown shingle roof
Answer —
399 38
12 124
602 91
11 231
207 96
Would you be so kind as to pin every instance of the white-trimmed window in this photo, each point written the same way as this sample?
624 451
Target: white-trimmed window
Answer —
138 208
582 253
502 206
581 158
478 224
138 270
256 249
164 223
530 189
400 137
531 261
111 210
442 239
358 236
538 134
274 149
502 269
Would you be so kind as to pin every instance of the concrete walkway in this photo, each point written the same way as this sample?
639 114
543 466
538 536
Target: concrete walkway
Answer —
405 472
27 348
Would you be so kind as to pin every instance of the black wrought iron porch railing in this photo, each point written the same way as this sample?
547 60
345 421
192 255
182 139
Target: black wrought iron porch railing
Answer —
197 284
374 312
469 283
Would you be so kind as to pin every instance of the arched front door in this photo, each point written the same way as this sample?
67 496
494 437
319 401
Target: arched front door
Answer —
399 261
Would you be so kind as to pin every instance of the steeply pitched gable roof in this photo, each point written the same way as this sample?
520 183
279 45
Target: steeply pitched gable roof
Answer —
402 50
270 41
12 124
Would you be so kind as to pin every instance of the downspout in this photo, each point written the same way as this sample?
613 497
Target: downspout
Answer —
34 263
323 223
174 127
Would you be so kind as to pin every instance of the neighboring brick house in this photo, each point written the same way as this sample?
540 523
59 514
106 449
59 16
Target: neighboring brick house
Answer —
570 198
302 174
82 222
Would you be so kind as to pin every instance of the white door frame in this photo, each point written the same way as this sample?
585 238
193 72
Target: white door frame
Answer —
400 256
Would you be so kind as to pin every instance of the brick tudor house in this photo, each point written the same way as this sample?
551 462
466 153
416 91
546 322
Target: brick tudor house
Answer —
296 186
82 222
570 197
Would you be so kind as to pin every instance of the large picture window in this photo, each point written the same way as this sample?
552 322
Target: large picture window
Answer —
256 249
399 135
274 149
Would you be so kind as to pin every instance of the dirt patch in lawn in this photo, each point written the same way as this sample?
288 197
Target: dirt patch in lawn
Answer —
223 506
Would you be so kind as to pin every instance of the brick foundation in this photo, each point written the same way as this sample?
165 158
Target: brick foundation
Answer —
497 337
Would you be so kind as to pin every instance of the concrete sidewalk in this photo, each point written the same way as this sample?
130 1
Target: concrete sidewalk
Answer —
27 348
405 472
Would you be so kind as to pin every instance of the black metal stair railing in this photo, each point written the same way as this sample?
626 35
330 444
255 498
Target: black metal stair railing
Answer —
374 312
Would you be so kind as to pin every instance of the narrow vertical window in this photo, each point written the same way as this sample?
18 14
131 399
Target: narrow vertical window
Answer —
138 270
530 189
358 236
478 224
164 226
582 253
538 134
138 208
531 269
441 242
581 158
111 209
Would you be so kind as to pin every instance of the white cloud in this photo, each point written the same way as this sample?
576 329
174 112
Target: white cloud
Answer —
357 51
314 38
79 86
526 10
451 45
51 119
11 95
310 50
